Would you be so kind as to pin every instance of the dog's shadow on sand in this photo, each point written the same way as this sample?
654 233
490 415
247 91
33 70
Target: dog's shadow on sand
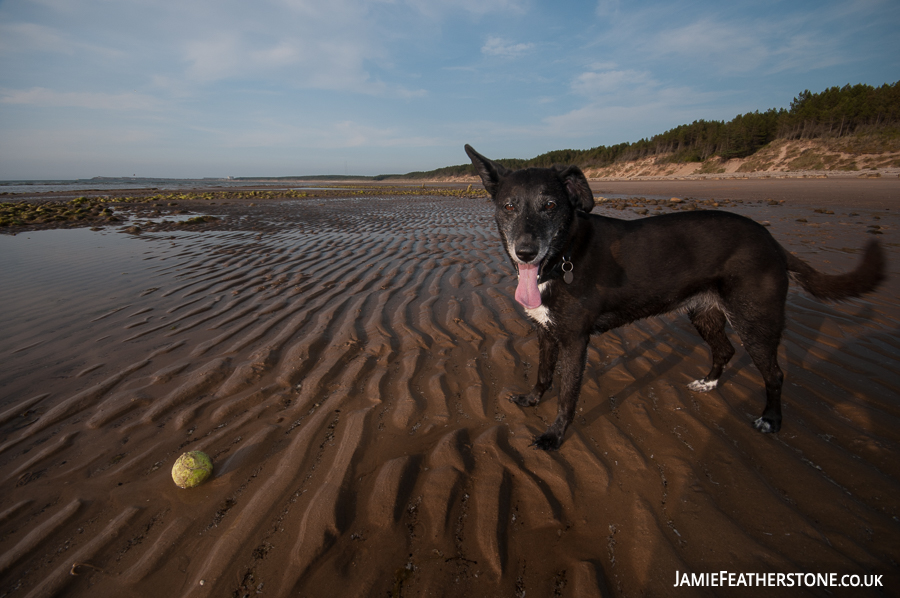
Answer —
671 363
683 341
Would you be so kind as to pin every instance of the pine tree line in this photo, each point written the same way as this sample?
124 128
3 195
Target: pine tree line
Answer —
835 112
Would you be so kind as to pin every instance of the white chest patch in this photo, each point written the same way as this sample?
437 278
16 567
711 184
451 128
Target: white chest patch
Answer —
540 314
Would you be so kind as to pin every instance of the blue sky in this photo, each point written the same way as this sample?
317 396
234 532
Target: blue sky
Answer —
292 87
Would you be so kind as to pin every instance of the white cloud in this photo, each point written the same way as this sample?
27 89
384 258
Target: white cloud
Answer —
627 105
607 7
594 118
215 58
285 53
433 9
327 136
336 46
49 98
731 47
354 134
23 37
18 37
497 46
601 65
594 83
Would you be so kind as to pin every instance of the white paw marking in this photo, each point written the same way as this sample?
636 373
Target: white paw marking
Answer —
703 385
762 425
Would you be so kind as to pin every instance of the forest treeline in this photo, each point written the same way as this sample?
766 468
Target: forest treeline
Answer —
835 112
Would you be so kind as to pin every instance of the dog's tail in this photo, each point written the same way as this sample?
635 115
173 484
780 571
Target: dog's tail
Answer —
837 287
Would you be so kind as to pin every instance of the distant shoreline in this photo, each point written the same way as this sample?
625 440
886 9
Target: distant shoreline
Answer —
795 159
807 187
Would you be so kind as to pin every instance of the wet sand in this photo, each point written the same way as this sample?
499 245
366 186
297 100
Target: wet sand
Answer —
345 363
818 192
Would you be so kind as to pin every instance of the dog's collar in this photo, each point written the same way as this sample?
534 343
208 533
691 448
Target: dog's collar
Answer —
564 268
561 269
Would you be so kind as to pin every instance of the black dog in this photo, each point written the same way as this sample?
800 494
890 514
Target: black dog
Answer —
582 274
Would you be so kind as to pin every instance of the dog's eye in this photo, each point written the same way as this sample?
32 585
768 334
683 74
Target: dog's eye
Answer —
509 207
549 205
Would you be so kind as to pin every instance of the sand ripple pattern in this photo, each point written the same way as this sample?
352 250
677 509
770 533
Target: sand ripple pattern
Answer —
345 363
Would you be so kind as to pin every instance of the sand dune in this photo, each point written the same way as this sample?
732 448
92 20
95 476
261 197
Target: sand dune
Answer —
345 363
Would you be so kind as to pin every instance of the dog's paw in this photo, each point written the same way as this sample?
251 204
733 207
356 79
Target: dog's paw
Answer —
703 385
766 425
523 400
547 442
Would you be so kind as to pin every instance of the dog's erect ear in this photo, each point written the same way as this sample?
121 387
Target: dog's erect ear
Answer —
577 187
490 172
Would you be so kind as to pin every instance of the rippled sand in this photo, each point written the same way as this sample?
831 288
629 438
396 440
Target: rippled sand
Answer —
345 364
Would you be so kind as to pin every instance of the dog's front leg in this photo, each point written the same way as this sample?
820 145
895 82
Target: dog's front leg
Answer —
571 371
549 350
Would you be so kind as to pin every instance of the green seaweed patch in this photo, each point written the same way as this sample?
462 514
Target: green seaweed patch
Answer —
50 214
341 191
198 220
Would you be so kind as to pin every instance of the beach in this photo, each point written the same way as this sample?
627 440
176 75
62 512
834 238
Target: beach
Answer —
346 363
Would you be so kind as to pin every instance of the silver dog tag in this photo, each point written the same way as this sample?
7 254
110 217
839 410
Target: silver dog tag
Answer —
567 268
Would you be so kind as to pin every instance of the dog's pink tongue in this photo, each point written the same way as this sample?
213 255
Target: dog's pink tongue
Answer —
527 293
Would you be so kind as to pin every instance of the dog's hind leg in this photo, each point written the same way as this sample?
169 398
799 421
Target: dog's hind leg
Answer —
549 351
761 337
766 359
573 355
710 323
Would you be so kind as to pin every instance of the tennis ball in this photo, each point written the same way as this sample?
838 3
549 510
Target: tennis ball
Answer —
191 469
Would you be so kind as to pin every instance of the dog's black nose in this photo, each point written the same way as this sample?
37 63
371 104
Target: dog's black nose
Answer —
526 253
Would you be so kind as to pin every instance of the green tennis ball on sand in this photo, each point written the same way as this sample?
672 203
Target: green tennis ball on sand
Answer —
191 469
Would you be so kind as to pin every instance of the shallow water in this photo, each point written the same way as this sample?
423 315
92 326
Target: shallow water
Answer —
48 274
